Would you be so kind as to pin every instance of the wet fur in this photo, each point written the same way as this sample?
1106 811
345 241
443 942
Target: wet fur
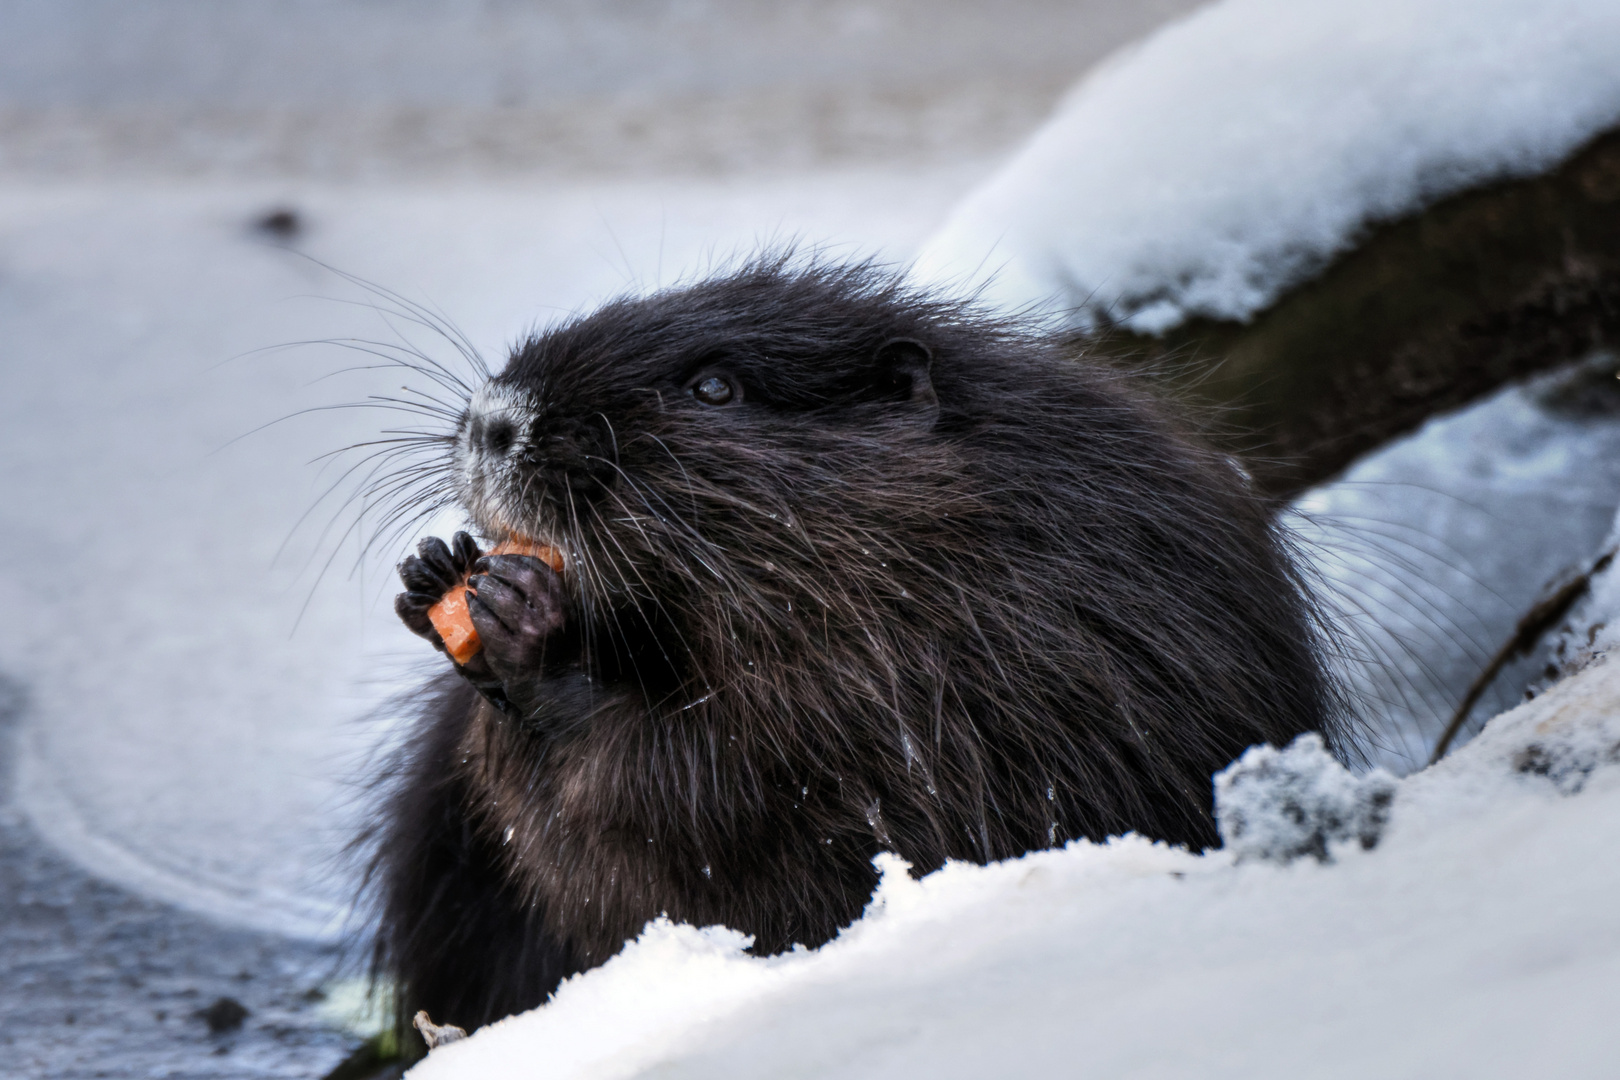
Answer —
935 586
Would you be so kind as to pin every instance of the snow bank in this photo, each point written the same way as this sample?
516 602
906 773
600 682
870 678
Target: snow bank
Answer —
1224 159
1479 938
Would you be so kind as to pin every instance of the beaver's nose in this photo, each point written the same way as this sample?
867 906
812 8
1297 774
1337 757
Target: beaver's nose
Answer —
495 419
493 435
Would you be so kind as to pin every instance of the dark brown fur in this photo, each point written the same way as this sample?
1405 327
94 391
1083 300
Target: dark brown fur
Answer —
933 586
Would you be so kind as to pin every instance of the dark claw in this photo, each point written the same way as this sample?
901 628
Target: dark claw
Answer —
516 603
464 553
423 577
499 596
419 577
425 599
535 584
517 607
436 569
513 567
416 576
438 561
508 653
484 618
412 608
428 575
529 592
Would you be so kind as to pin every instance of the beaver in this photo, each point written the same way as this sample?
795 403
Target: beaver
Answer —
848 567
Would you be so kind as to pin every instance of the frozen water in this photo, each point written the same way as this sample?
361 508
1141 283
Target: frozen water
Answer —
1477 939
96 981
199 691
1230 154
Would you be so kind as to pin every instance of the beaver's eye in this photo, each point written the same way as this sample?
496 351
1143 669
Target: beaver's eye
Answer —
714 390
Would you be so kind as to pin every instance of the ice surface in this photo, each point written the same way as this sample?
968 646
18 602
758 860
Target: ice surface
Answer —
1227 156
198 691
1477 939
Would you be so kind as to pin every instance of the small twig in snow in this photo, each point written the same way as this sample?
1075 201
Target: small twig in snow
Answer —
436 1035
1541 617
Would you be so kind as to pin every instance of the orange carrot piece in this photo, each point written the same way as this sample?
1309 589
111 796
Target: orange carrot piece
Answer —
450 616
452 620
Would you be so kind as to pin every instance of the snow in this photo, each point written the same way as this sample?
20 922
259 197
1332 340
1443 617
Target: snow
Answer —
336 54
1475 938
1478 938
202 695
1225 158
1285 804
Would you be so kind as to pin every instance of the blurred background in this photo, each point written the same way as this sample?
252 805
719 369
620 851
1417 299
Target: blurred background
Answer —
414 91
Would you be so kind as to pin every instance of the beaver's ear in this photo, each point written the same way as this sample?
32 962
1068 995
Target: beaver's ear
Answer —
907 364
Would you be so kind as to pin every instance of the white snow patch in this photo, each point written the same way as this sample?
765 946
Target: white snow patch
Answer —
631 1013
1479 938
1228 156
1289 803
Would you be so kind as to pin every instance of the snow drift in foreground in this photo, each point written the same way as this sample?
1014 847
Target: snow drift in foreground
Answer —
1229 155
1478 937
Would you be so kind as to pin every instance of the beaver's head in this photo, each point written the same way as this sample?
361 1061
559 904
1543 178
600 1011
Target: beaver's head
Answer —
722 461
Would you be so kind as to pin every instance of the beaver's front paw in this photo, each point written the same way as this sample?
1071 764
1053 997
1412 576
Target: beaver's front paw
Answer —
519 609
428 575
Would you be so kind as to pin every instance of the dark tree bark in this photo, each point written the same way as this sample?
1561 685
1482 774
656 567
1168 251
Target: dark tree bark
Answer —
1425 314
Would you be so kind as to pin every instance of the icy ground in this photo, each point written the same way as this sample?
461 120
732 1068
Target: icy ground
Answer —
198 691
96 981
1232 152
1476 939
473 88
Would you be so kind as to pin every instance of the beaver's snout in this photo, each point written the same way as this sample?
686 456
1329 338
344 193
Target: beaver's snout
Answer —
494 421
492 437
522 463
